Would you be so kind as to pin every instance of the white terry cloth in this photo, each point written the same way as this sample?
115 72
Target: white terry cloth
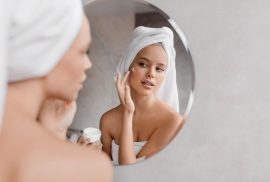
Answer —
137 146
40 32
2 87
34 35
5 7
144 36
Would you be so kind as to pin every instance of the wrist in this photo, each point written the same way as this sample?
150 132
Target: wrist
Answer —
127 117
128 113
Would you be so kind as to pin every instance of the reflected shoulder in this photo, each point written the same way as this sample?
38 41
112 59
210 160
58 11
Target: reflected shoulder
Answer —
110 116
176 119
171 117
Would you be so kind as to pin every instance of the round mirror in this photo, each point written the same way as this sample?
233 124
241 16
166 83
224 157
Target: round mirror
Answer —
112 24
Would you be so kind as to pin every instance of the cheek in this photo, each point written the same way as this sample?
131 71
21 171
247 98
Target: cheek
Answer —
134 80
75 68
136 75
131 79
138 72
159 79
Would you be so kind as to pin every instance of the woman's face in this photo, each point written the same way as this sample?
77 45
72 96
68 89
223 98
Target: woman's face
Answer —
67 78
148 69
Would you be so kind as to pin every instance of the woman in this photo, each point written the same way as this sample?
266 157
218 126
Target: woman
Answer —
147 117
48 60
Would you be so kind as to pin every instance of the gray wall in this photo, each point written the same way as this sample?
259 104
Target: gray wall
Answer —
99 88
226 137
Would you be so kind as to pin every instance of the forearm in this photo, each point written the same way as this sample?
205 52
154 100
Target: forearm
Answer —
126 153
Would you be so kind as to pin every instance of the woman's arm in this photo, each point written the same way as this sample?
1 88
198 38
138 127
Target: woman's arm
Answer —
162 136
126 153
106 138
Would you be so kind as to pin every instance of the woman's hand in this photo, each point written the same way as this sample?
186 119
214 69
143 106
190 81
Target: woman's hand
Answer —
123 91
57 115
86 142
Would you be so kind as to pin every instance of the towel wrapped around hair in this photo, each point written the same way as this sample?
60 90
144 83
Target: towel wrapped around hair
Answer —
39 35
145 36
34 36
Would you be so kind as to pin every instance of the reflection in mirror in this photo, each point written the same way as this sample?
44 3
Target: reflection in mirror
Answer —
145 122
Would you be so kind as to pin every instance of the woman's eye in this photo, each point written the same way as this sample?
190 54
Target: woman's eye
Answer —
159 69
88 52
141 64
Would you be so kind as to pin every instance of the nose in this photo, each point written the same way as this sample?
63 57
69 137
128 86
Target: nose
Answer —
88 63
150 73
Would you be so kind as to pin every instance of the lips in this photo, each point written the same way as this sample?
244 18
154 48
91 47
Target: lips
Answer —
147 83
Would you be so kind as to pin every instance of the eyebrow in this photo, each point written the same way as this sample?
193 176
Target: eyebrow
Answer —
161 64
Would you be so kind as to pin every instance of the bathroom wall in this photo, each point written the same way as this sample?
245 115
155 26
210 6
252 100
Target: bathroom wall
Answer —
226 137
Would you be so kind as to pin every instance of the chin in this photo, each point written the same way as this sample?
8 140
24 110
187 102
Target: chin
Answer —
71 97
74 98
146 92
142 91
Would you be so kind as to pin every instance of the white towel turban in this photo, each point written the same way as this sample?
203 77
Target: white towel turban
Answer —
144 36
41 32
2 85
3 51
34 36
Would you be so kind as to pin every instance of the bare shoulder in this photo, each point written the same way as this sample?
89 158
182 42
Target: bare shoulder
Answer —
169 117
75 165
93 164
57 160
110 118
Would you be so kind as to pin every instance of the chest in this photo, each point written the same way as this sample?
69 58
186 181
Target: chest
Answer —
142 128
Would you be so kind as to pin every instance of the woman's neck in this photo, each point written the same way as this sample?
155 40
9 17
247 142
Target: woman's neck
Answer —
24 100
142 103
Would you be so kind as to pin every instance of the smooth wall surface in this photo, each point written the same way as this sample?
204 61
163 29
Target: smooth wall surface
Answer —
226 137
